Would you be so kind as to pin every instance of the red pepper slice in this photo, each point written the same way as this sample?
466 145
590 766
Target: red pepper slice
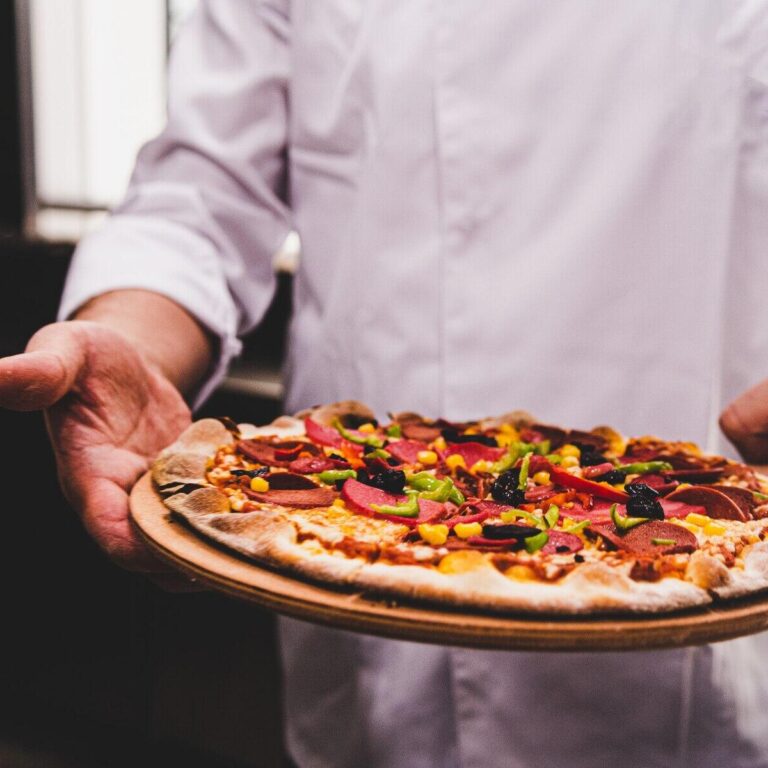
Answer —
561 477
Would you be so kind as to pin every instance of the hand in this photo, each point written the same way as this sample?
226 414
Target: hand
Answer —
745 424
108 414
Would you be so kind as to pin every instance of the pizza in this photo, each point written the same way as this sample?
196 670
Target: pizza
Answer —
501 514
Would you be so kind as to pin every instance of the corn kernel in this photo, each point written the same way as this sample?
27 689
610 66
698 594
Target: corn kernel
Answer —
439 443
455 460
366 428
339 503
471 431
465 530
714 529
570 450
436 535
541 478
688 526
696 519
507 429
259 484
463 561
427 457
569 461
520 573
481 466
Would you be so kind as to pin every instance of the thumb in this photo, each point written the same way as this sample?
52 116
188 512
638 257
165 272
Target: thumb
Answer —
745 424
45 373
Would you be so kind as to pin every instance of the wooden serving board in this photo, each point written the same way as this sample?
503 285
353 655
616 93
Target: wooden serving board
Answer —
220 570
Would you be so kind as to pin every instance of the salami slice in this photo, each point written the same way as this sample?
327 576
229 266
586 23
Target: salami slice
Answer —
361 497
716 503
474 452
561 542
301 499
644 539
406 451
742 497
310 465
420 431
289 481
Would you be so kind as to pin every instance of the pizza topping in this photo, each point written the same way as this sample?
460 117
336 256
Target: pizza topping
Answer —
430 487
287 481
310 465
644 467
508 531
406 451
265 451
374 502
623 523
382 477
743 498
658 482
560 542
535 543
716 503
644 502
472 452
506 488
301 499
639 540
359 437
567 480
333 476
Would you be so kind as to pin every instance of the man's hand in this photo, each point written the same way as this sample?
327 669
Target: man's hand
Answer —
109 413
110 383
745 424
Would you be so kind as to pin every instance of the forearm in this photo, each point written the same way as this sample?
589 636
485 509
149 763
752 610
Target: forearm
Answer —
166 335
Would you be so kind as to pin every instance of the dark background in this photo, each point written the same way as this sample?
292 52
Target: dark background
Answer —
97 666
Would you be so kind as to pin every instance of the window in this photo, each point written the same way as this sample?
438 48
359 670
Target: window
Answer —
95 92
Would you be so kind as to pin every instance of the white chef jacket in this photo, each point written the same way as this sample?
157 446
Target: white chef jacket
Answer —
559 206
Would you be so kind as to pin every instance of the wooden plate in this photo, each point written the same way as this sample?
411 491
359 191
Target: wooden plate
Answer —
216 568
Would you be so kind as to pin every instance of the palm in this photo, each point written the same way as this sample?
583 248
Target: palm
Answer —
105 431
116 414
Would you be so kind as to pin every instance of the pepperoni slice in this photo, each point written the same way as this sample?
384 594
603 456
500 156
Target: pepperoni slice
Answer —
289 481
742 497
406 451
640 539
474 452
420 431
360 497
716 503
301 499
308 465
561 542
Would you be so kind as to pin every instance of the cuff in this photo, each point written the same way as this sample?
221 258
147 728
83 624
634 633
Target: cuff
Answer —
142 253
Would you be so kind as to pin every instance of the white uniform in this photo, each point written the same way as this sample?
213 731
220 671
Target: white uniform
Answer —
553 205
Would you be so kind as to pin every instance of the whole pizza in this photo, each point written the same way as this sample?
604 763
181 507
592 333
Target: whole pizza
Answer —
502 514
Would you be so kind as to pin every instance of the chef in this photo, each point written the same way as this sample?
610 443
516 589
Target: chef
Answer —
555 206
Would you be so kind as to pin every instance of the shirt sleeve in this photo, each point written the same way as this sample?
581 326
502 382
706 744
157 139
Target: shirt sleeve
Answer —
205 210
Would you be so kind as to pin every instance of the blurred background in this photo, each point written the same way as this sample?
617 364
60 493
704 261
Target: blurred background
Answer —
98 667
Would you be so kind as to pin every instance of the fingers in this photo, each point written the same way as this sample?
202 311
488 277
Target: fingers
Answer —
45 373
104 509
745 424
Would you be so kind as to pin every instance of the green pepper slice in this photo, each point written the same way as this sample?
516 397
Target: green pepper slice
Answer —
394 430
552 515
331 476
577 527
535 543
376 442
663 542
524 465
409 509
622 523
644 467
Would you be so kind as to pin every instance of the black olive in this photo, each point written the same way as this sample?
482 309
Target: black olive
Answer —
614 477
250 472
590 457
643 502
577 558
505 490
454 436
562 548
389 480
509 531
642 490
